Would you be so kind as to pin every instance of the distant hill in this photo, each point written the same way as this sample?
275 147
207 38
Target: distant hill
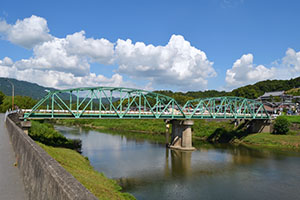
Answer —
248 91
23 88
33 90
36 91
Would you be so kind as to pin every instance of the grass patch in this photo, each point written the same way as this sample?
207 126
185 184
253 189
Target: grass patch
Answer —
80 168
292 118
270 140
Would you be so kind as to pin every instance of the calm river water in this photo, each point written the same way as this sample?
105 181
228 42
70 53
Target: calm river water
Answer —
150 171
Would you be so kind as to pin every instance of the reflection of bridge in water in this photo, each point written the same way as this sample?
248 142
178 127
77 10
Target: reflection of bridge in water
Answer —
181 165
126 103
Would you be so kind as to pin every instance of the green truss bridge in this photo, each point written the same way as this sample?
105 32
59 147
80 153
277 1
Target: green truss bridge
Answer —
127 103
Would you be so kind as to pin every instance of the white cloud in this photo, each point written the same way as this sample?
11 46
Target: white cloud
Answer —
56 79
52 55
27 32
291 61
176 64
99 50
245 72
6 62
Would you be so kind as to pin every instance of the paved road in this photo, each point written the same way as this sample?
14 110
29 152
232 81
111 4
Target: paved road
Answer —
11 184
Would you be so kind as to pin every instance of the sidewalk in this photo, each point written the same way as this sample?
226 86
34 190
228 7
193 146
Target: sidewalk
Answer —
11 184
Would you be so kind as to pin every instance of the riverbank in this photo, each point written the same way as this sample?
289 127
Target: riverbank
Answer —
149 128
77 165
203 130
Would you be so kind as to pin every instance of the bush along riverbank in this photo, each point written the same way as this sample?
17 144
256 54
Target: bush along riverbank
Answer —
212 131
61 149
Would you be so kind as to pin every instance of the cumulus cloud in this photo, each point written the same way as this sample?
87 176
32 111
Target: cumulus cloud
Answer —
53 55
56 79
99 50
177 64
291 61
245 72
26 33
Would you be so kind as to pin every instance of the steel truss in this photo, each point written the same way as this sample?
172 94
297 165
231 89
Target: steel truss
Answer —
118 103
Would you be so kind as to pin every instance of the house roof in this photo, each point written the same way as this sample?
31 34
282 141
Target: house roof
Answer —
276 93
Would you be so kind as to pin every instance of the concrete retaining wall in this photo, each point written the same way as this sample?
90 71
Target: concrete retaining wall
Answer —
44 177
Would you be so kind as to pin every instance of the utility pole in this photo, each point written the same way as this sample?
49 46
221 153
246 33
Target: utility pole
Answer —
12 93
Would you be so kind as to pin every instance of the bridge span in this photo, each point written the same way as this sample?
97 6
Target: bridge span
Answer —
128 103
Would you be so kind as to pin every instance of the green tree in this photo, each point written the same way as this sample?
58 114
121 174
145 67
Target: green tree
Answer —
281 125
2 96
22 102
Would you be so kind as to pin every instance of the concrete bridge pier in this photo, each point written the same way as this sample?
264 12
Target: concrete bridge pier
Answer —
181 137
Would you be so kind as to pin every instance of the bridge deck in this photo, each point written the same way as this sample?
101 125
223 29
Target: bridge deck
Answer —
47 114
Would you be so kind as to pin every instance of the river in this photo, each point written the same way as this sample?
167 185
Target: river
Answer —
150 171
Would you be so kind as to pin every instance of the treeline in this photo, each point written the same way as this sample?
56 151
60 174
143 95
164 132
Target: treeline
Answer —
248 91
19 101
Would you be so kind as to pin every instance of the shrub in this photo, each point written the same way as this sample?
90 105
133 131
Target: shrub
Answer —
281 125
46 134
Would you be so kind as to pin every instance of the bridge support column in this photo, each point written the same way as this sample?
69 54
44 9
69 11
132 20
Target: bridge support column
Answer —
25 126
182 135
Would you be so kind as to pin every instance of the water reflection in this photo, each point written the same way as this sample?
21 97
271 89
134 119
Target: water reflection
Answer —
150 171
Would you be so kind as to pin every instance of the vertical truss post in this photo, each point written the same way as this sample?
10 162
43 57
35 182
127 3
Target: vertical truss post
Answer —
77 104
92 99
48 101
100 103
70 100
110 106
140 103
52 110
121 101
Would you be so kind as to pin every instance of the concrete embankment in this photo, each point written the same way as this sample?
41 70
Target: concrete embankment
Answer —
44 177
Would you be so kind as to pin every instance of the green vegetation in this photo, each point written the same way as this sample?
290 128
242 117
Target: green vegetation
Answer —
20 101
270 140
248 91
45 133
281 125
80 168
23 88
294 91
292 118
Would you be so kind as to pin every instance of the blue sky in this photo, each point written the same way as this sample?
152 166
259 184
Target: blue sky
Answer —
213 44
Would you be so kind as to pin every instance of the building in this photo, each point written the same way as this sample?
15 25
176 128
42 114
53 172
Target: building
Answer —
278 96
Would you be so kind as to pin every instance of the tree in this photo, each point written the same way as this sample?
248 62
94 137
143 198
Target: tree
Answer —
281 125
2 96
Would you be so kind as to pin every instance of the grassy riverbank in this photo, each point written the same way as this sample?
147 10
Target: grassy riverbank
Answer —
270 140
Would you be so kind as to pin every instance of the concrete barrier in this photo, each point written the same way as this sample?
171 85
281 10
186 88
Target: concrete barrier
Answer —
44 177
